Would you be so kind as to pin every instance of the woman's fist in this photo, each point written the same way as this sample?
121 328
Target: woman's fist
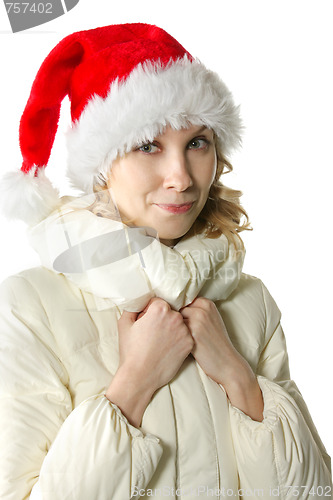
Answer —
156 344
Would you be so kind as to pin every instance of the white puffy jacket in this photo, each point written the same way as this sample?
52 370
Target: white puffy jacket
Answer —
61 439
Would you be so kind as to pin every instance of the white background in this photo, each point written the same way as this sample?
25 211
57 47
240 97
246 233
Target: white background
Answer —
276 57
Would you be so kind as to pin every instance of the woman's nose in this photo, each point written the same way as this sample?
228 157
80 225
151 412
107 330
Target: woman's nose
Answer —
177 173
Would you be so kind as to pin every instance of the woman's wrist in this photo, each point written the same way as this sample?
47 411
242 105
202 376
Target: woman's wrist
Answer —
243 390
131 396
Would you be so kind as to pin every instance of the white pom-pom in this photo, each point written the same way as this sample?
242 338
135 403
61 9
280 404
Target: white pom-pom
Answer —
28 197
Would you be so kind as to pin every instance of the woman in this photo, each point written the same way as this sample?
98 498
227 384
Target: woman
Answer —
139 361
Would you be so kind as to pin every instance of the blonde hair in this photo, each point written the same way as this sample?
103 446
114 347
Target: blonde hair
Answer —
222 213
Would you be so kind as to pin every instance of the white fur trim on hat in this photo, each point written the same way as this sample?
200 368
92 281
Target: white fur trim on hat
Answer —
28 197
139 108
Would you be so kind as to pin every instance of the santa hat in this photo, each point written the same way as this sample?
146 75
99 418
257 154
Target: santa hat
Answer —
125 83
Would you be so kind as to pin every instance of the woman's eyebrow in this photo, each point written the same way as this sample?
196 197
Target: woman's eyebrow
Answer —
201 129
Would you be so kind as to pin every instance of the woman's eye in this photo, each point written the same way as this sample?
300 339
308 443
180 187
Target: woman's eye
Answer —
198 144
148 148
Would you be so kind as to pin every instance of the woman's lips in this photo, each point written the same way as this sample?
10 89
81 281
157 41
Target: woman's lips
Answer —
181 208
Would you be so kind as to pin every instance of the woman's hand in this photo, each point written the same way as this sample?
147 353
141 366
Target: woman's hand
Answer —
212 349
152 348
219 359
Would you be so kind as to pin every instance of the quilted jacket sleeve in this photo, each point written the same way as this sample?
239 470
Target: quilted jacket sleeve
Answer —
283 455
65 453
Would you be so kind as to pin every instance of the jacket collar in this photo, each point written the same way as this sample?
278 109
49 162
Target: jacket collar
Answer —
125 267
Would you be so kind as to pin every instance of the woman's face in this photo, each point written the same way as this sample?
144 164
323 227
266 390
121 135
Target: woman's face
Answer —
164 184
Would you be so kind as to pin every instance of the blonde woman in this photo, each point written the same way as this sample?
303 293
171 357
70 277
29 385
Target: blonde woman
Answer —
139 361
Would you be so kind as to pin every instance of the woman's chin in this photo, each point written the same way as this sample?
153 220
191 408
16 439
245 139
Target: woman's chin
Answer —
171 238
168 232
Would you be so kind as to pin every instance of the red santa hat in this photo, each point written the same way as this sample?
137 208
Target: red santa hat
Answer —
125 83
